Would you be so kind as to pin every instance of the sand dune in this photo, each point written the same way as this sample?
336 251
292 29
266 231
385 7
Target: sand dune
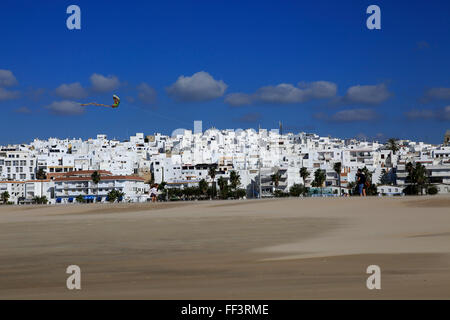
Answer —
255 249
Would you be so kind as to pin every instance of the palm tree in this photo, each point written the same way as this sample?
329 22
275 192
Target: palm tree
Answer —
392 145
319 179
223 184
419 176
409 167
95 176
338 168
203 186
304 173
235 179
212 174
276 177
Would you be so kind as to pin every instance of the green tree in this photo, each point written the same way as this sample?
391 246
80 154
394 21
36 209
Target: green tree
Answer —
392 144
409 168
96 177
40 200
80 199
421 177
212 174
384 178
164 193
223 185
5 197
432 190
417 178
114 195
297 189
235 179
337 167
276 177
319 179
304 173
280 194
240 193
203 187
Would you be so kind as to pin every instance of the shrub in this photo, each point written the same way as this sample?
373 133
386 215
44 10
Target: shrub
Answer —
280 194
297 189
432 190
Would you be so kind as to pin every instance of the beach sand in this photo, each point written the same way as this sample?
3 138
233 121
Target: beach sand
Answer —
255 249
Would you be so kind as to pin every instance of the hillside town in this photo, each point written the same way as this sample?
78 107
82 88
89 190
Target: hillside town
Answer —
257 163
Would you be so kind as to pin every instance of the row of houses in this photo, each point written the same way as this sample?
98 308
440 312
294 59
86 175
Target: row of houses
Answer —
185 157
66 187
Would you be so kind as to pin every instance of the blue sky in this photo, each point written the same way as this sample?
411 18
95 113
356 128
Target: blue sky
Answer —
232 64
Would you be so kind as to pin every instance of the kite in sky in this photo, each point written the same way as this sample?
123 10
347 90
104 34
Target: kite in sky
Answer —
114 105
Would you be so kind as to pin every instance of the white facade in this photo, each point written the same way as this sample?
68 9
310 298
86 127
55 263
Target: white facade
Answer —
185 158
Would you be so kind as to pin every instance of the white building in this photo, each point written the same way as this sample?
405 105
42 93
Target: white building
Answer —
70 185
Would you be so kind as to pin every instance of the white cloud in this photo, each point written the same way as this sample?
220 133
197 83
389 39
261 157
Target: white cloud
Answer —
282 93
146 93
370 94
201 86
285 93
436 94
354 115
350 115
65 108
103 84
318 89
250 117
442 114
446 113
8 95
71 91
420 114
238 99
24 110
7 78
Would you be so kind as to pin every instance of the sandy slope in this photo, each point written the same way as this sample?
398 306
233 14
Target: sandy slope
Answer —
268 249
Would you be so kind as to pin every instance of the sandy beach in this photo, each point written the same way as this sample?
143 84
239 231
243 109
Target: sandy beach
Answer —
255 249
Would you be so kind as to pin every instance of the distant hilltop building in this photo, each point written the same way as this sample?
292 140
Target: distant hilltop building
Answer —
447 138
